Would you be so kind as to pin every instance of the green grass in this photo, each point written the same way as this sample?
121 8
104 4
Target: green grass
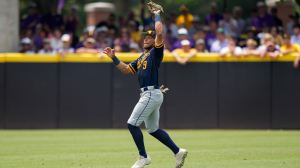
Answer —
115 149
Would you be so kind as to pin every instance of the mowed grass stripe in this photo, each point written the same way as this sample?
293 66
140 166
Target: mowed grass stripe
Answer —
115 149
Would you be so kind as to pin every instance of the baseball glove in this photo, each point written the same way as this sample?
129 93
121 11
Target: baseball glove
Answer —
154 7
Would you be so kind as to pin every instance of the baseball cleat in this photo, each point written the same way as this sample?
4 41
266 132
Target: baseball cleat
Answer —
180 157
142 162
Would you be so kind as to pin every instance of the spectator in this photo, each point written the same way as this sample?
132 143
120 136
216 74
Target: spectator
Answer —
117 45
66 49
253 21
220 43
291 24
32 19
55 40
271 50
124 40
276 20
229 25
26 46
265 39
71 21
200 46
89 47
251 49
88 32
231 49
199 34
264 19
264 32
101 34
39 36
211 35
295 39
276 35
172 26
288 47
250 33
238 16
111 36
185 19
182 35
47 49
53 19
186 51
213 16
28 33
134 32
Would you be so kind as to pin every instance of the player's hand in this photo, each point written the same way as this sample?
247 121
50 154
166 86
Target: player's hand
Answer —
109 52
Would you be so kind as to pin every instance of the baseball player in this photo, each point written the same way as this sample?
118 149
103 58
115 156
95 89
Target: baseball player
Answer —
147 109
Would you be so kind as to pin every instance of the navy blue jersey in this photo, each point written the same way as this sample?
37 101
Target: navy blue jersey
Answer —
147 65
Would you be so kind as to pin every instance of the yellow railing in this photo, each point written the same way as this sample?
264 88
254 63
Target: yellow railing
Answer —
128 57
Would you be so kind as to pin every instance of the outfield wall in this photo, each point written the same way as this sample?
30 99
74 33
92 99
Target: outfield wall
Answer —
88 92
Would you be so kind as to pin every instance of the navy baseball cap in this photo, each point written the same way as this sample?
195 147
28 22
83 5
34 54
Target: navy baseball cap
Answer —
149 33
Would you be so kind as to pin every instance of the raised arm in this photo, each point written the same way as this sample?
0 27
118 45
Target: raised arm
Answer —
156 9
123 67
159 29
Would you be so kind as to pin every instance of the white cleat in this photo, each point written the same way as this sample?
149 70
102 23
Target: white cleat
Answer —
180 157
142 162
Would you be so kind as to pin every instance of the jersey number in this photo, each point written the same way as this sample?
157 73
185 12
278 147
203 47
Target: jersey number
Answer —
145 65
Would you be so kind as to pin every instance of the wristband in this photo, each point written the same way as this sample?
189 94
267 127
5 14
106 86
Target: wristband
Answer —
157 18
115 60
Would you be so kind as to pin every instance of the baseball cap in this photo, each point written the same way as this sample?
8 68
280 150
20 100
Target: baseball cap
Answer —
182 31
220 30
200 41
260 4
26 40
66 38
185 43
213 4
149 33
183 8
102 29
90 40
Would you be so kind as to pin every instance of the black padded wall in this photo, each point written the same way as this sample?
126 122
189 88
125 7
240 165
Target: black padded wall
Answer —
85 95
285 96
2 94
31 95
192 100
245 95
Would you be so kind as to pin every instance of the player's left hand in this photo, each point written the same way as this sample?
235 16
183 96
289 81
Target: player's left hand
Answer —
164 89
109 52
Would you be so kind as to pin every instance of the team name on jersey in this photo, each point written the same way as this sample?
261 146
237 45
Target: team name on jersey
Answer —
142 63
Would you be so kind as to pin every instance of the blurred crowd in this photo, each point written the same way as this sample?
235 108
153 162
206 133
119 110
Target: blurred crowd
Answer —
226 33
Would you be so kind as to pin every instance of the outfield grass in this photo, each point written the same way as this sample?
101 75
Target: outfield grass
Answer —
115 149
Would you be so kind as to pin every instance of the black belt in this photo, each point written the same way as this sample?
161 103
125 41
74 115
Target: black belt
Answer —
144 89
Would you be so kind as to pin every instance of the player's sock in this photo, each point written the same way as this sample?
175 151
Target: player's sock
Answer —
138 139
164 138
